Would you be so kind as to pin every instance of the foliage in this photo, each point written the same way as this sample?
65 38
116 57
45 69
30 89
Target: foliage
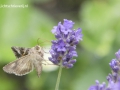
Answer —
100 23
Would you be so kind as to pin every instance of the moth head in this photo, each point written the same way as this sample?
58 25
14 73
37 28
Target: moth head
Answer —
37 47
39 50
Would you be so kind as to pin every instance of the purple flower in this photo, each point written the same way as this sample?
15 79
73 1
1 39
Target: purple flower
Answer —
114 65
113 79
78 37
98 86
68 24
118 55
64 48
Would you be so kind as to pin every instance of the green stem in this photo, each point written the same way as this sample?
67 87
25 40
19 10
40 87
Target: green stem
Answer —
58 78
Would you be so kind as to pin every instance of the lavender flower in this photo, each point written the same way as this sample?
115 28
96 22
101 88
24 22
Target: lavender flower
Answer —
118 55
114 65
98 86
113 79
64 48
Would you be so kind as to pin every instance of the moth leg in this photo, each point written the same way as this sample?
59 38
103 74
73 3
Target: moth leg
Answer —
44 64
47 63
38 67
46 52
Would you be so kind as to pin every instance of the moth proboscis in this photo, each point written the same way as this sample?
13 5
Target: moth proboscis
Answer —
27 60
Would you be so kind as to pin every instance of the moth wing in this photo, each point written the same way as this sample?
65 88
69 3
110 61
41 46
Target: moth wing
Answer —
20 51
19 67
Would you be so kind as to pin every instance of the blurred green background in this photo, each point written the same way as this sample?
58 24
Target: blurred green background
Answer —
100 23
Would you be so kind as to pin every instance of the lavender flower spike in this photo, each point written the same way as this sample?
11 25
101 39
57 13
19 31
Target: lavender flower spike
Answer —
113 79
64 48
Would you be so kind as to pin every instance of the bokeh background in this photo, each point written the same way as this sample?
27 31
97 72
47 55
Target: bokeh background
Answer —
100 23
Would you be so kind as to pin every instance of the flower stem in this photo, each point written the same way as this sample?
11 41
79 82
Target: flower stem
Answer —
58 78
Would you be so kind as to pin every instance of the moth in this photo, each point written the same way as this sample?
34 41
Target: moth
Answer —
27 60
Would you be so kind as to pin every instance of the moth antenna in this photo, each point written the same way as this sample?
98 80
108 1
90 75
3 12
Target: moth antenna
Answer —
38 41
42 42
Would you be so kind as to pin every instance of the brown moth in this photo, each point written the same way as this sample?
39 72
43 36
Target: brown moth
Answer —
27 60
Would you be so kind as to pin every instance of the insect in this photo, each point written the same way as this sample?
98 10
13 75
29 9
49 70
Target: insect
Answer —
27 60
